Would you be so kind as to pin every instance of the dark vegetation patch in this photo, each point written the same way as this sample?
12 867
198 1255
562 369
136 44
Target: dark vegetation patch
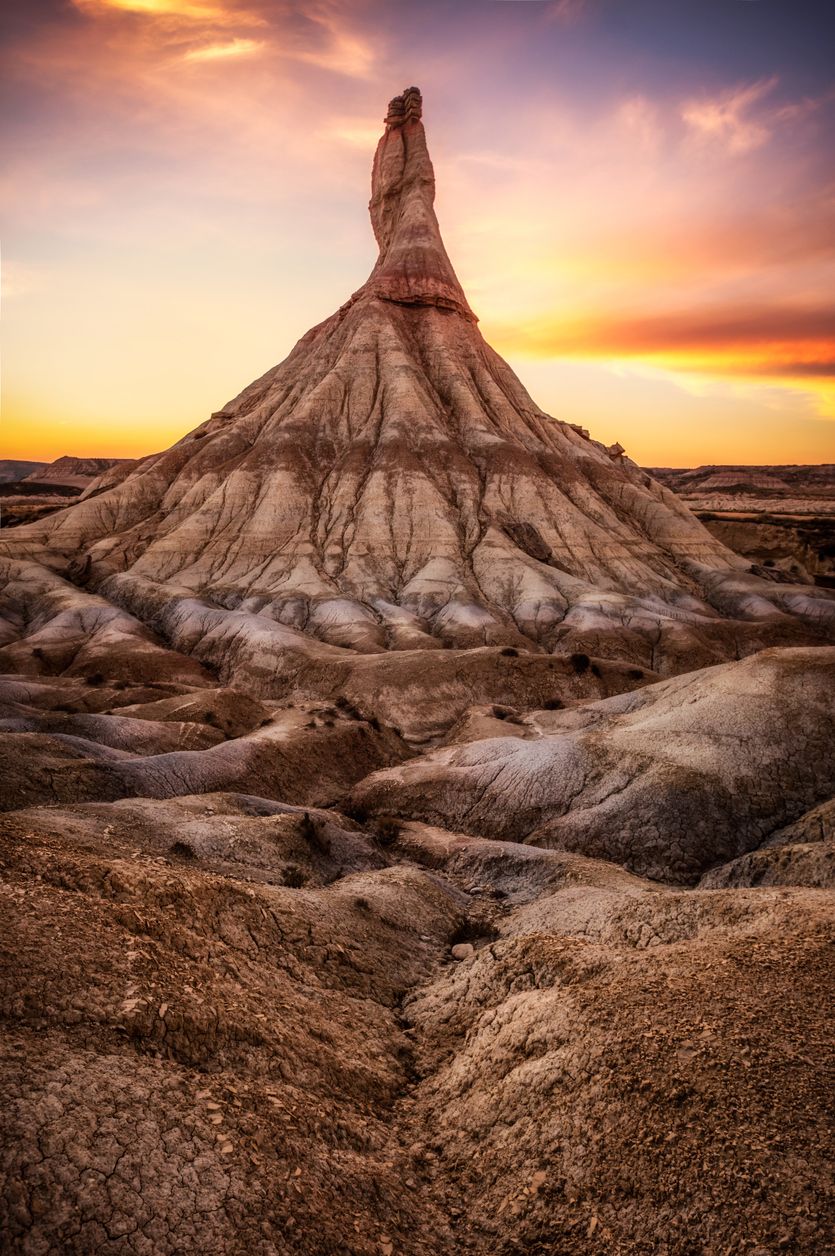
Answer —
475 931
182 850
293 877
355 811
312 833
580 662
386 830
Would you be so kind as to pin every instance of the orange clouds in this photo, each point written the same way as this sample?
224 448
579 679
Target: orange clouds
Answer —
234 48
782 341
185 194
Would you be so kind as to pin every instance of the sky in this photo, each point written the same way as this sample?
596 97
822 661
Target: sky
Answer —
638 197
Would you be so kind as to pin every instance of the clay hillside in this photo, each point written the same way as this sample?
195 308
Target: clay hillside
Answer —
418 830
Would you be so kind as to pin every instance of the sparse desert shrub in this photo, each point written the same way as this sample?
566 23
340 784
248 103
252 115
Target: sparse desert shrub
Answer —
374 723
635 673
293 877
348 708
210 718
387 830
312 833
509 652
595 670
580 662
37 652
553 704
355 811
362 904
182 850
95 678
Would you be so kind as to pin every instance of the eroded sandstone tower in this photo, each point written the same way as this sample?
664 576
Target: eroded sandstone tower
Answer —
391 485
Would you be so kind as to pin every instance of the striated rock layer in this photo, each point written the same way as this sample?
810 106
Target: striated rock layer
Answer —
391 485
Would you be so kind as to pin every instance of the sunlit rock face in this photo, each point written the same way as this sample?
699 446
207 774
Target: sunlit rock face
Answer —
392 486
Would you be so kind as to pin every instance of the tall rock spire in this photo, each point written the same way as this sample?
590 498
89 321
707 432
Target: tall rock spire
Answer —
392 486
413 267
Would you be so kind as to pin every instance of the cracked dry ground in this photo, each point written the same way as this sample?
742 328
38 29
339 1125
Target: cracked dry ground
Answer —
237 1026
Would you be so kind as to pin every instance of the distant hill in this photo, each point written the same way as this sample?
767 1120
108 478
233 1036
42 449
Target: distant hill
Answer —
783 481
76 472
14 469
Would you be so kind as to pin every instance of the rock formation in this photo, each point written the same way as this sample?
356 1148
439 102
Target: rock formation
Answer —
391 485
416 829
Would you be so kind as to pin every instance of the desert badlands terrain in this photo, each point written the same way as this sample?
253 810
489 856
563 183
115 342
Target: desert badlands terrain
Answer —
418 828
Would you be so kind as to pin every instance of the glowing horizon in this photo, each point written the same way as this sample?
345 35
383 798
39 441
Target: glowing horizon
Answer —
639 207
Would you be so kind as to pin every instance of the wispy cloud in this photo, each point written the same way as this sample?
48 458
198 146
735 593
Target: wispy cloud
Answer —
786 341
234 48
182 10
728 120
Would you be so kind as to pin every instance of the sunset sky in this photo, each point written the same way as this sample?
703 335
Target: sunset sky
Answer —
638 197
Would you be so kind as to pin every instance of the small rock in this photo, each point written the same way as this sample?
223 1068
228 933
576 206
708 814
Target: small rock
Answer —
463 950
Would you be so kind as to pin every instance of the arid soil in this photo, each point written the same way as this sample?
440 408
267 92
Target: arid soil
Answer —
417 831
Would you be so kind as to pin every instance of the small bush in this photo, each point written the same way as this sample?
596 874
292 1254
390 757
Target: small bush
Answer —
580 662
509 652
635 673
37 652
182 850
595 670
314 835
294 877
553 704
387 830
355 811
95 678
